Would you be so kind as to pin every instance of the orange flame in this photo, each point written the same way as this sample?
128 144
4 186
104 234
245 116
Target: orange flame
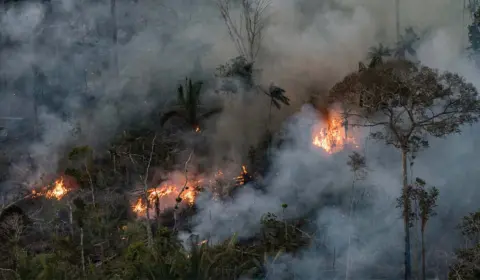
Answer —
57 192
241 178
139 207
197 129
332 138
167 193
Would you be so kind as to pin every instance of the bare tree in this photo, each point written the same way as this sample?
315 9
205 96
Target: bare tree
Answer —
12 228
145 195
246 34
83 155
408 102
178 199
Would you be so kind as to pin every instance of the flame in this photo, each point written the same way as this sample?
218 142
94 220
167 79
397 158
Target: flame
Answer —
139 206
332 138
167 194
197 129
57 192
243 176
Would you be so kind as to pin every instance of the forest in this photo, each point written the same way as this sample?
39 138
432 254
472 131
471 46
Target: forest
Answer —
136 142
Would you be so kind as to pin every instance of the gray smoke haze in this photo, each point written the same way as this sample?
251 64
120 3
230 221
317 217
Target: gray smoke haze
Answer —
308 46
301 175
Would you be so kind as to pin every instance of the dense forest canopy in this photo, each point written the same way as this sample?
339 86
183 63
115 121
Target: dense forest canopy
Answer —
249 139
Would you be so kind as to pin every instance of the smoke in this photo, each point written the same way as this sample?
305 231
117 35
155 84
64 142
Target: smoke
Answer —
77 84
83 96
307 46
316 50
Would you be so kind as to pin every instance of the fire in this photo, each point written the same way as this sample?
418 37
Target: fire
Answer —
197 129
244 177
139 206
166 194
57 192
332 138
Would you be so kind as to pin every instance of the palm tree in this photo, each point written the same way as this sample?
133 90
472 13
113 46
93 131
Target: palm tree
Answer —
406 43
376 54
189 105
277 96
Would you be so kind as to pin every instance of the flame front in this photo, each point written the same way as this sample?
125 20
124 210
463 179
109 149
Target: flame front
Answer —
166 195
332 138
57 192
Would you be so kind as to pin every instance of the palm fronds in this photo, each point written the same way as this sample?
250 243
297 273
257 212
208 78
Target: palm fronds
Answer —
277 96
376 55
188 99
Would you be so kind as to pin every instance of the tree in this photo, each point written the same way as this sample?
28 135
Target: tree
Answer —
406 44
358 166
277 96
474 33
247 36
189 105
467 265
408 102
425 201
83 156
238 68
376 54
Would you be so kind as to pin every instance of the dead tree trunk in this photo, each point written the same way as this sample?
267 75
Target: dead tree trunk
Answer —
406 215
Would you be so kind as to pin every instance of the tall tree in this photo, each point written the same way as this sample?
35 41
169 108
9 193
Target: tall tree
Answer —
397 18
406 44
474 33
277 96
408 102
113 18
425 201
189 106
247 36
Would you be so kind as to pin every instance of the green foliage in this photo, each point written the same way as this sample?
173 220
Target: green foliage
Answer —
80 152
470 226
376 55
188 97
281 235
410 101
467 265
424 197
237 67
407 44
277 96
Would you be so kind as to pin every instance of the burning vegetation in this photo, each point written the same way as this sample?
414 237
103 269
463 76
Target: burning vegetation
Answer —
97 238
57 191
173 191
331 135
